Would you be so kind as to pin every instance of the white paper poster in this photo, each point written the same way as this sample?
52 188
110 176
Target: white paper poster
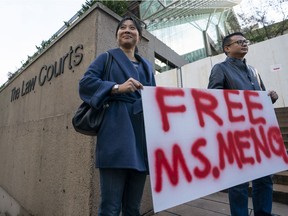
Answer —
202 141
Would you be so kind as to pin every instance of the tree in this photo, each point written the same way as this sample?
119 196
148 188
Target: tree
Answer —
264 19
119 7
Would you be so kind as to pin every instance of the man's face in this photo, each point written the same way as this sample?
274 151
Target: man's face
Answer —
237 48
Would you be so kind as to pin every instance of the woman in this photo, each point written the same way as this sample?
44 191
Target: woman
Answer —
121 154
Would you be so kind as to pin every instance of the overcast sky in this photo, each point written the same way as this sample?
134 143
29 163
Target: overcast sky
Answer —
26 23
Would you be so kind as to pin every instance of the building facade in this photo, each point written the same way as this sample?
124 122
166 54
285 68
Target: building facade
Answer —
45 166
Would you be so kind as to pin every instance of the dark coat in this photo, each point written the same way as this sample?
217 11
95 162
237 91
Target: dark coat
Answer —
235 74
121 141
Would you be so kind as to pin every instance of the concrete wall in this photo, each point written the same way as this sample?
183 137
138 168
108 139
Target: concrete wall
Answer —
46 168
269 58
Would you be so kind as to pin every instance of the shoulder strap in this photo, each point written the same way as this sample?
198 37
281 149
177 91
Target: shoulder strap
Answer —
107 67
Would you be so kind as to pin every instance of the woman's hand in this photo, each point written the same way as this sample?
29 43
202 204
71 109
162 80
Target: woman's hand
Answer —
130 86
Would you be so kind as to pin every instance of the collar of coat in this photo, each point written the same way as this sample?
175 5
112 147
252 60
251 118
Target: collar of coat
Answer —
126 65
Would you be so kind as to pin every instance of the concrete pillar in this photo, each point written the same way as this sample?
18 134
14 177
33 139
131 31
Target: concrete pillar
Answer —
206 43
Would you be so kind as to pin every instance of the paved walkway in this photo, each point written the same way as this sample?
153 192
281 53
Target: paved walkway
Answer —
215 205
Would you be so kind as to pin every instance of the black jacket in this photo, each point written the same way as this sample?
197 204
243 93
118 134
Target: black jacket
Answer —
235 74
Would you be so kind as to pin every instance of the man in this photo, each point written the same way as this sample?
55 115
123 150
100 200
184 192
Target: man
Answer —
234 73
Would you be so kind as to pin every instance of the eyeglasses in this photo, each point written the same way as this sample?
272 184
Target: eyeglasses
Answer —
240 42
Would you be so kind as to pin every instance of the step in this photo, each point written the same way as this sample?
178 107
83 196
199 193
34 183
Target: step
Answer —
285 140
281 110
284 130
282 123
280 193
285 137
286 144
281 178
282 114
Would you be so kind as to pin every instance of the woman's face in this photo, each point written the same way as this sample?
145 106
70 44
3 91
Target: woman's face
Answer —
128 35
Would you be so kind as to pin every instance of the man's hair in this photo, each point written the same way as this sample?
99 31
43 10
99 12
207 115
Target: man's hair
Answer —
227 39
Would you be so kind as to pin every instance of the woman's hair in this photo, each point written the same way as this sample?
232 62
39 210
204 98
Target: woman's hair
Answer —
134 20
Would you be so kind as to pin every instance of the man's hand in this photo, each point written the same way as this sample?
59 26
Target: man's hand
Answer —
273 95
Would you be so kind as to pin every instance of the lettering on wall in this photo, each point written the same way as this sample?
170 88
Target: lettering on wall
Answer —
50 71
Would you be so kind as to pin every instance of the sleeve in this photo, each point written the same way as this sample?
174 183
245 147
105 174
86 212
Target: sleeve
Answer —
152 76
92 89
216 78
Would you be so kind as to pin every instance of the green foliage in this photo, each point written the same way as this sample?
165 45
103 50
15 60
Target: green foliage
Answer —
119 7
258 25
88 4
267 32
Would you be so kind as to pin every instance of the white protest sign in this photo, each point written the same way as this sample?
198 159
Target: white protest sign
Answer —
201 141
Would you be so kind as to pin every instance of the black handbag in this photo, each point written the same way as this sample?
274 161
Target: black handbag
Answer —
87 120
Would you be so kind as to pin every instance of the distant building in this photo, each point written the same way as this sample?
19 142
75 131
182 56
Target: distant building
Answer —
194 29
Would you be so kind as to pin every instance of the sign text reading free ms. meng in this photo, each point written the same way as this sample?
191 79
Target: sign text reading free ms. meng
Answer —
69 60
201 141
